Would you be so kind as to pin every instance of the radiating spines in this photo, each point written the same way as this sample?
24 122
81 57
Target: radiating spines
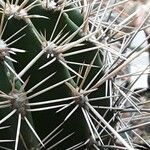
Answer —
18 101
6 51
19 10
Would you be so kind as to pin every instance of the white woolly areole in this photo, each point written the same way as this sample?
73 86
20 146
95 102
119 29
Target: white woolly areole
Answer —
51 5
3 45
15 11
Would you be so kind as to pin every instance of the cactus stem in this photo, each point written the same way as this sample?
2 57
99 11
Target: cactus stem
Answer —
68 46
13 71
81 38
51 101
56 25
50 87
41 82
32 129
52 137
15 33
94 78
46 139
47 47
69 68
62 38
60 141
87 71
8 116
17 39
30 64
89 126
66 106
19 99
71 112
52 48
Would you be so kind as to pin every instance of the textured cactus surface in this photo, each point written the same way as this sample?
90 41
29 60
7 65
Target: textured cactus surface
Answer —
64 80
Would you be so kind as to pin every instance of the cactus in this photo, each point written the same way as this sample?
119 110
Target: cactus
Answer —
61 63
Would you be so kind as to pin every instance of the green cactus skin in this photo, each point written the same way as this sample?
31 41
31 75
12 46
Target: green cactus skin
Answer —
45 121
51 105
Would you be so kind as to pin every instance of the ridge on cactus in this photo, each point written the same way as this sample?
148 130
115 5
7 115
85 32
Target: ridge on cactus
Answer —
65 78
